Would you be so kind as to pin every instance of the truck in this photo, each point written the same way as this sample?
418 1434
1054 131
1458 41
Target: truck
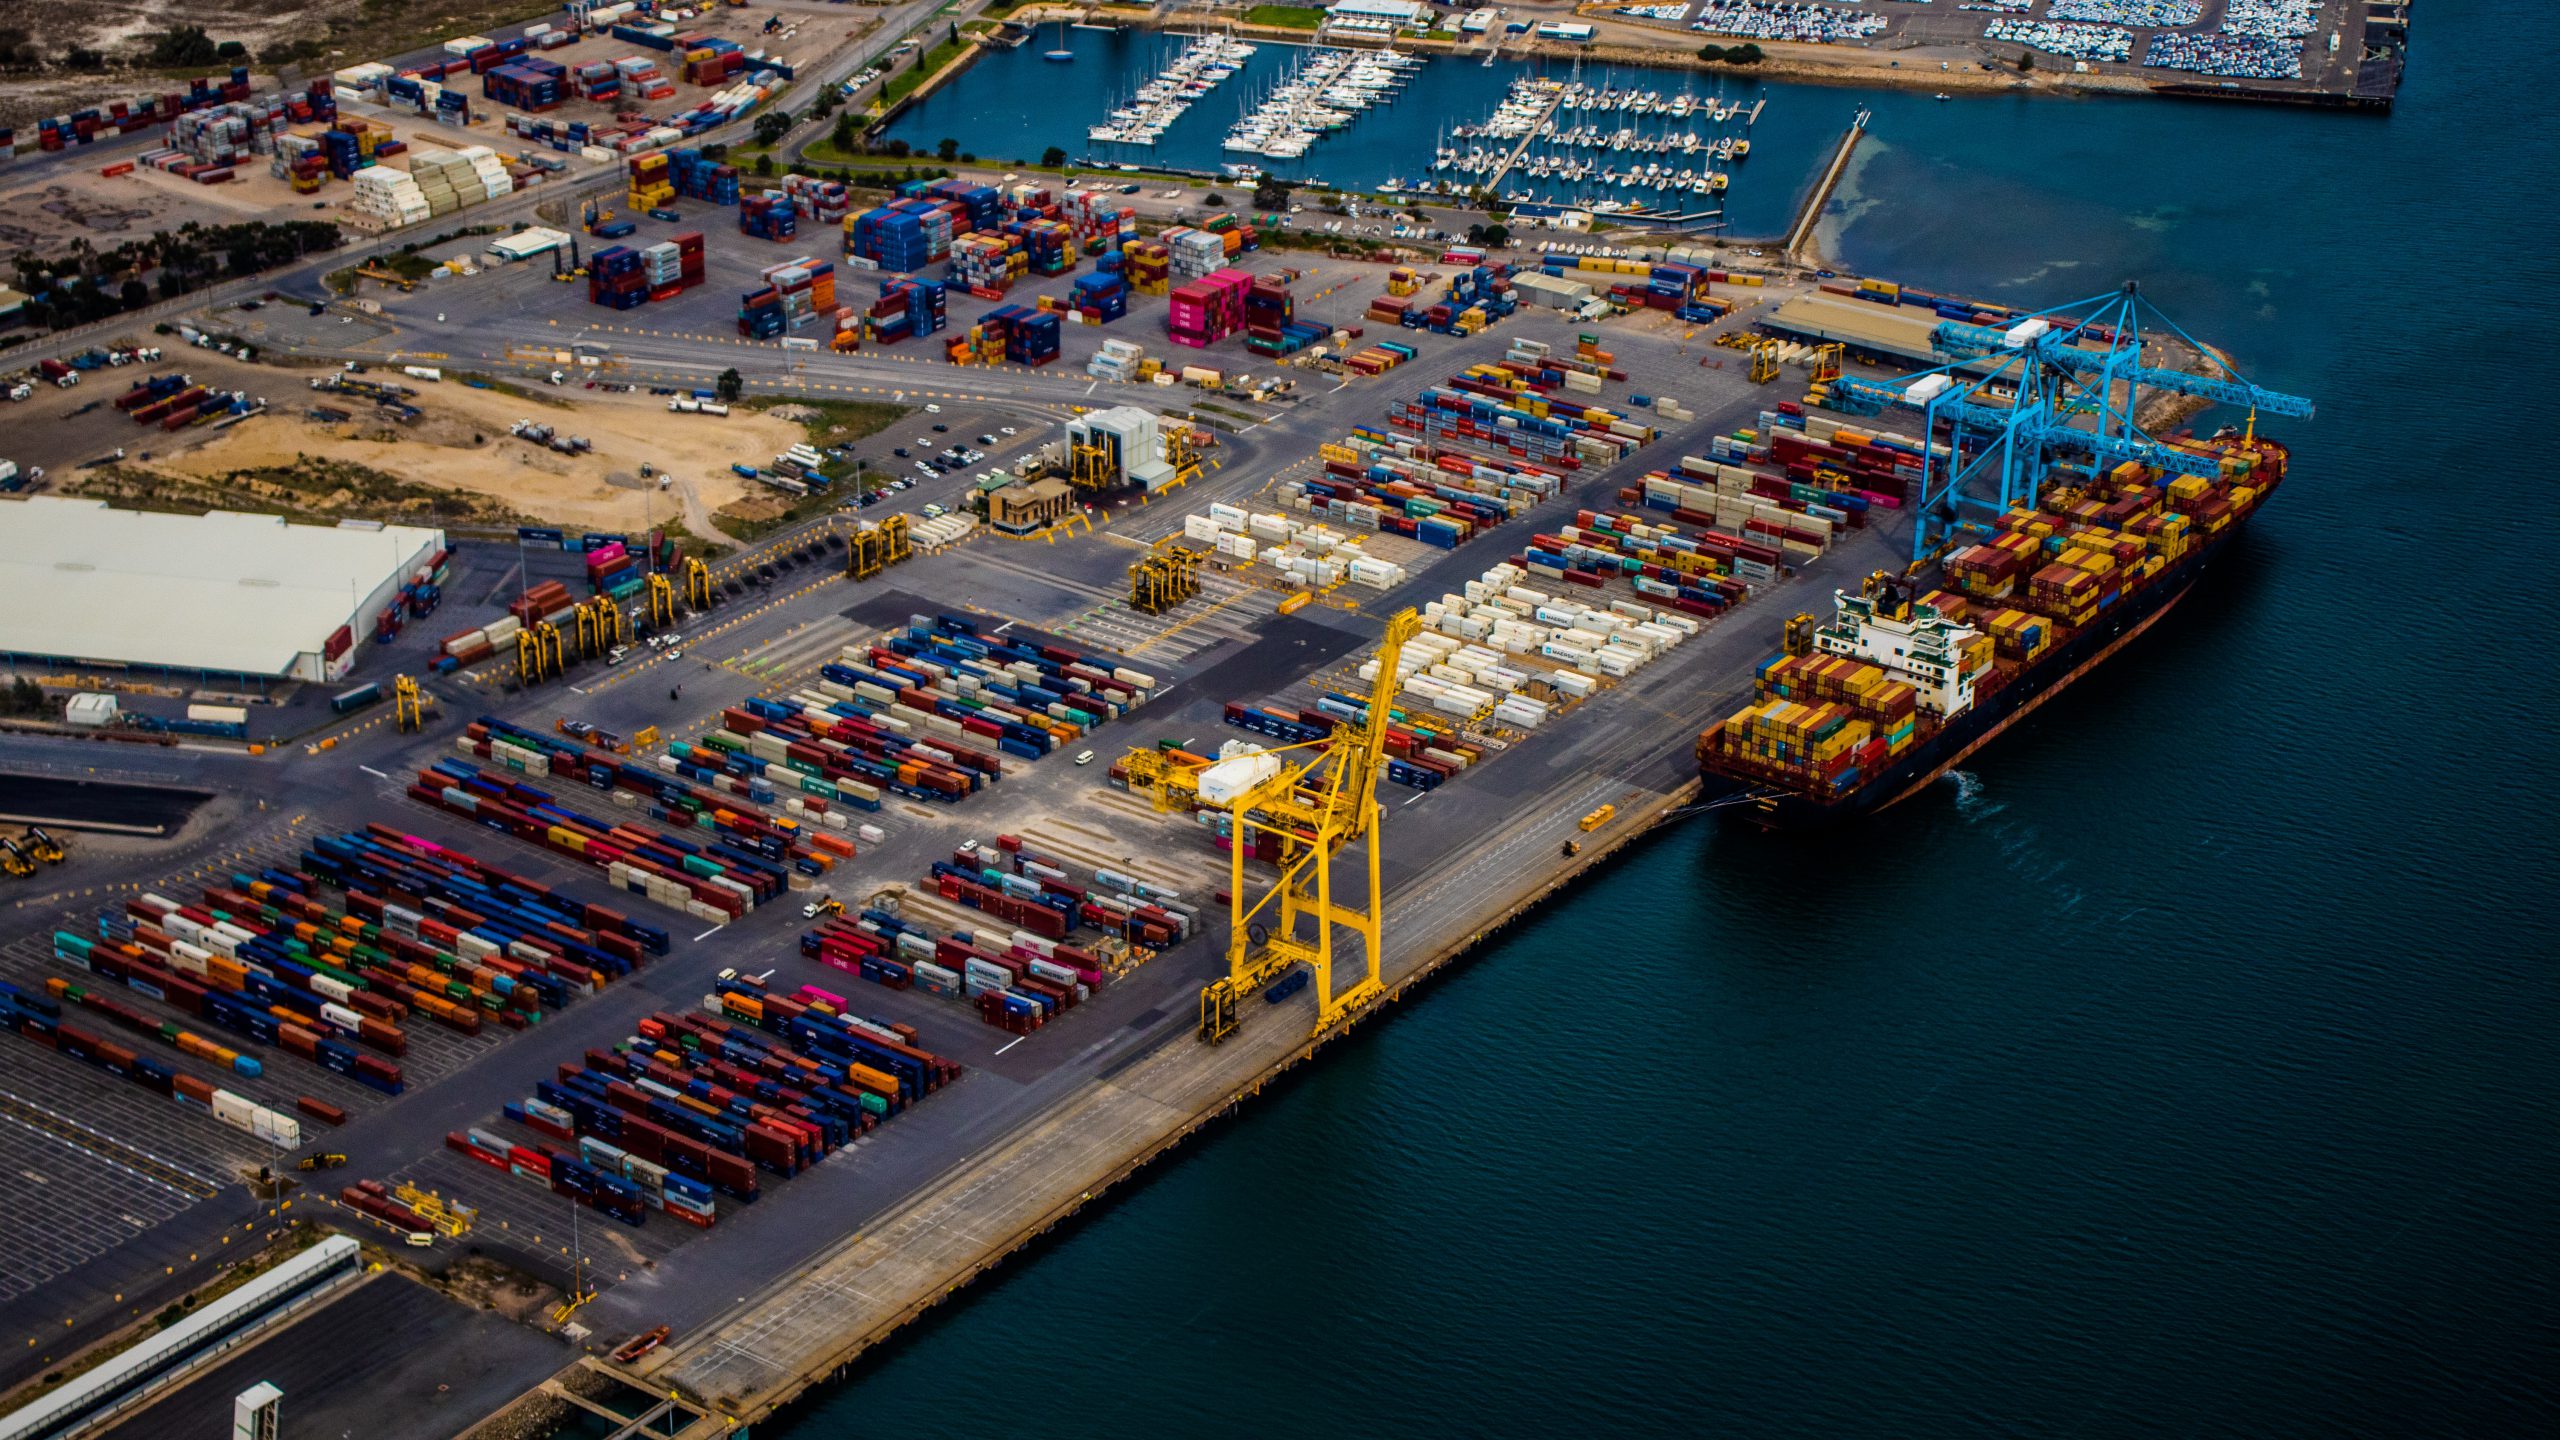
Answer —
422 372
748 471
60 374
12 478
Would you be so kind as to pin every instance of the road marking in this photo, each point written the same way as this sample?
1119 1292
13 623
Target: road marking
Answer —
376 774
1416 797
707 934
1009 1044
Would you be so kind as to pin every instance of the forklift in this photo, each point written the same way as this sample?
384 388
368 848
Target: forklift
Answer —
326 1160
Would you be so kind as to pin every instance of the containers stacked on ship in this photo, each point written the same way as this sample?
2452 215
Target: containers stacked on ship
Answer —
2058 587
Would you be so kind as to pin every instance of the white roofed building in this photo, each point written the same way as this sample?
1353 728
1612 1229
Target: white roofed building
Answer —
227 593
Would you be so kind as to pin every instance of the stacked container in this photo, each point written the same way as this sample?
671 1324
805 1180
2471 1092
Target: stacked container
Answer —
768 216
1209 309
616 278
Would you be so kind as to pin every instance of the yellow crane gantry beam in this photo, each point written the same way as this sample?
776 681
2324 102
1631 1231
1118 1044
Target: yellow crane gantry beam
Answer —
1319 798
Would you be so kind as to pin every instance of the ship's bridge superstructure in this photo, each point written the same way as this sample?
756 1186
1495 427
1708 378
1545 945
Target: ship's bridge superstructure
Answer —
1911 641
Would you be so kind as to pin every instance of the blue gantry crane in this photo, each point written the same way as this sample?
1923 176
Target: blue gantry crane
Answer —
2055 393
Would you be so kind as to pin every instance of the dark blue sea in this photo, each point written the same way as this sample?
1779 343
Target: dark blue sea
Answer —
2185 1067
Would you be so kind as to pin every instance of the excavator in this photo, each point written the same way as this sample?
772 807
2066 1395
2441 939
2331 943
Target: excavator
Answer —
15 860
45 848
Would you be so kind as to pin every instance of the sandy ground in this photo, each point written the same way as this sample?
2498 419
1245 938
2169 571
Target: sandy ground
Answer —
601 490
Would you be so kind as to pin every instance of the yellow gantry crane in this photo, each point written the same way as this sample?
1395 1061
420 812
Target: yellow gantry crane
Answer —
697 583
600 626
871 549
1318 798
408 704
1764 362
1164 577
1826 363
449 1219
662 601
538 652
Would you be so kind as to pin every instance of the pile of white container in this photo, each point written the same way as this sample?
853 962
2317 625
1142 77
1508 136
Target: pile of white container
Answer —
1310 556
1196 253
939 533
1116 360
1465 659
452 179
389 196
507 753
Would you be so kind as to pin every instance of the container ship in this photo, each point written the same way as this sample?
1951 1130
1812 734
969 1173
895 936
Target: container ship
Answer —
1904 682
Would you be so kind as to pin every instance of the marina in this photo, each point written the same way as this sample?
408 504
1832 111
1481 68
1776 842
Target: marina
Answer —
1328 90
1151 109
1614 140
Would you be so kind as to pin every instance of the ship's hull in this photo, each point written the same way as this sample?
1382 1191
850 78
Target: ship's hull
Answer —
1768 807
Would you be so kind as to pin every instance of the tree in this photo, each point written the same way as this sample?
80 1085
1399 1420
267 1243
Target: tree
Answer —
846 132
900 149
729 386
1271 194
135 294
183 45
764 165
1213 199
771 126
949 150
1745 55
1711 53
1053 158
230 50
2026 61
1497 235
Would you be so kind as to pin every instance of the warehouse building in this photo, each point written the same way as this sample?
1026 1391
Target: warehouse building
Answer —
1131 441
225 594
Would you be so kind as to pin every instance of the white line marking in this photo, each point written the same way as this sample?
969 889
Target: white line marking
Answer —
580 691
1016 1040
376 774
707 934
1417 797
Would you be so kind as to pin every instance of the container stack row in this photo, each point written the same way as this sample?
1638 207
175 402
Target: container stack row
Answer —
712 879
1441 497
122 117
799 842
1701 572
1567 645
1308 555
39 1020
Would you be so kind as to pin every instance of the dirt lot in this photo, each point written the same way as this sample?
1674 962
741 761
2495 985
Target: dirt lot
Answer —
459 445
462 444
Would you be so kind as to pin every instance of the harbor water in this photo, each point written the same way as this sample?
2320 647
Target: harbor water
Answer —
2184 1066
1394 141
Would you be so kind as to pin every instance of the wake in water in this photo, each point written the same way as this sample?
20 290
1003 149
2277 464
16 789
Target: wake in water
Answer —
1969 801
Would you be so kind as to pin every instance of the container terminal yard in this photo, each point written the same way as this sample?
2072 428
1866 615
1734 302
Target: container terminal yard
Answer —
748 956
